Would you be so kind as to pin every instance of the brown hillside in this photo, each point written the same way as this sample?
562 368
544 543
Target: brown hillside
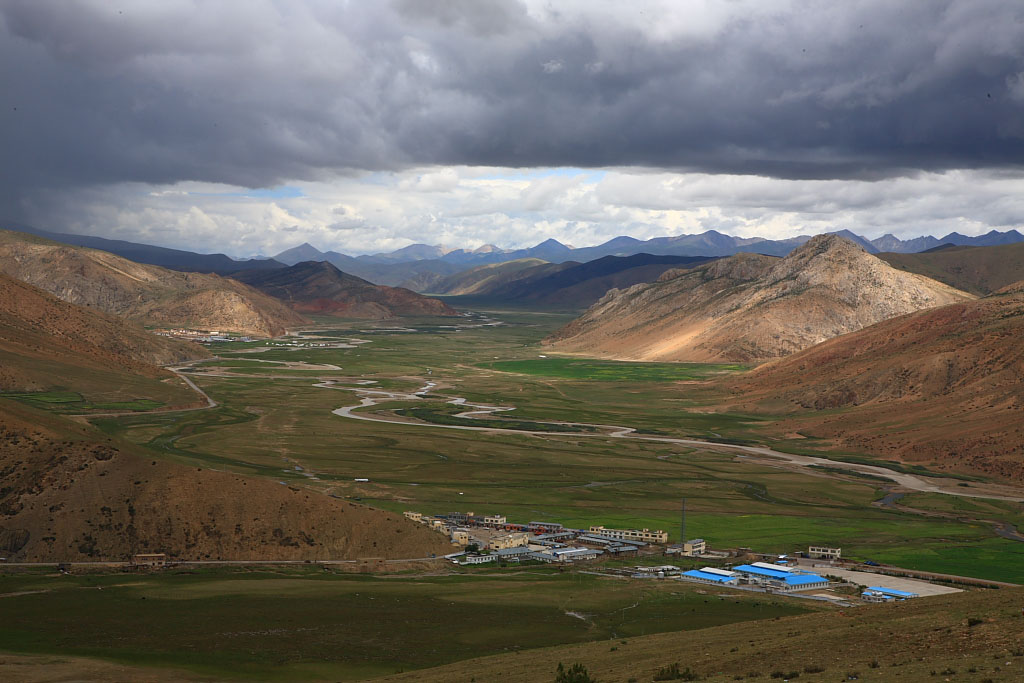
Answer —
47 342
944 385
749 308
319 287
979 270
71 494
148 294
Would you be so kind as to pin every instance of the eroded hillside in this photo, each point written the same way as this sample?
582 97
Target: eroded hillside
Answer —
945 385
750 308
148 294
319 287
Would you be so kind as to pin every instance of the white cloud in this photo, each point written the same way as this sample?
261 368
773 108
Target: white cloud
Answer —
468 207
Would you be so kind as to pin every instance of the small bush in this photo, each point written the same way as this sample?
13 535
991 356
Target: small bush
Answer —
974 621
672 673
813 669
577 673
874 664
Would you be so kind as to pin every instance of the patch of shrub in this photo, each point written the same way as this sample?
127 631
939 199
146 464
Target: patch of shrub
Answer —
672 673
577 673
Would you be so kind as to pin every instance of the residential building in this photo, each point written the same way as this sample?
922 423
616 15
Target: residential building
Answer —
496 520
513 540
149 560
461 536
478 559
820 552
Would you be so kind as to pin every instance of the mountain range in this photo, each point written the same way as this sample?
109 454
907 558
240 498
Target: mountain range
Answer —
418 266
709 243
751 307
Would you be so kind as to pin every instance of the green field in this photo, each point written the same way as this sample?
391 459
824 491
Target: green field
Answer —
304 623
613 371
74 402
266 426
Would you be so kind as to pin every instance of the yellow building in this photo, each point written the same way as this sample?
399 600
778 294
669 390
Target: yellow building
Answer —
516 540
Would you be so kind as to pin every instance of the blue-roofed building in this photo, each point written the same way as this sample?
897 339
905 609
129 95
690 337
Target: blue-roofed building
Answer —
882 594
721 577
780 578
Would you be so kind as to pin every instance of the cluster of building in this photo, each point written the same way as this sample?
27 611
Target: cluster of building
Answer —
773 577
207 336
492 538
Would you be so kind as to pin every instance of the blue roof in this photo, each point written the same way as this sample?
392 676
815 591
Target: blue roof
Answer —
760 571
892 591
803 579
789 577
706 576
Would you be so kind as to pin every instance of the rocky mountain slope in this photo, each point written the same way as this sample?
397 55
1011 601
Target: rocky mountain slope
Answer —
750 308
484 279
979 270
46 342
148 294
71 494
319 287
947 384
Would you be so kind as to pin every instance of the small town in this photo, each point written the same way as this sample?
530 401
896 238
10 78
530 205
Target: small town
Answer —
817 573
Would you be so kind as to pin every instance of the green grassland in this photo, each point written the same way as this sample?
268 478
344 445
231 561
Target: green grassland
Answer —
306 623
613 371
268 426
74 402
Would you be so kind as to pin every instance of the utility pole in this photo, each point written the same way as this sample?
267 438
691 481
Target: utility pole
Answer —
682 525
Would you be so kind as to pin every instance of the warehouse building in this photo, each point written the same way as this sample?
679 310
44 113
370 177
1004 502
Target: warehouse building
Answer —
513 554
565 555
881 594
776 577
721 577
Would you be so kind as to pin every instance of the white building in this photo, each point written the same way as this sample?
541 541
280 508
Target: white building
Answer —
645 535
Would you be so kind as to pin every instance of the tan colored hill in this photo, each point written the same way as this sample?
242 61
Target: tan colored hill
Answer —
148 294
978 270
319 287
750 308
943 386
46 343
71 494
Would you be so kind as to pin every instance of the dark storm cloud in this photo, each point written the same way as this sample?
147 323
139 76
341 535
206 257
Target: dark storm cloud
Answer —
255 93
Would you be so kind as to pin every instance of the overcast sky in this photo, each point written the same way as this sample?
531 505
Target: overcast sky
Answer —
255 125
